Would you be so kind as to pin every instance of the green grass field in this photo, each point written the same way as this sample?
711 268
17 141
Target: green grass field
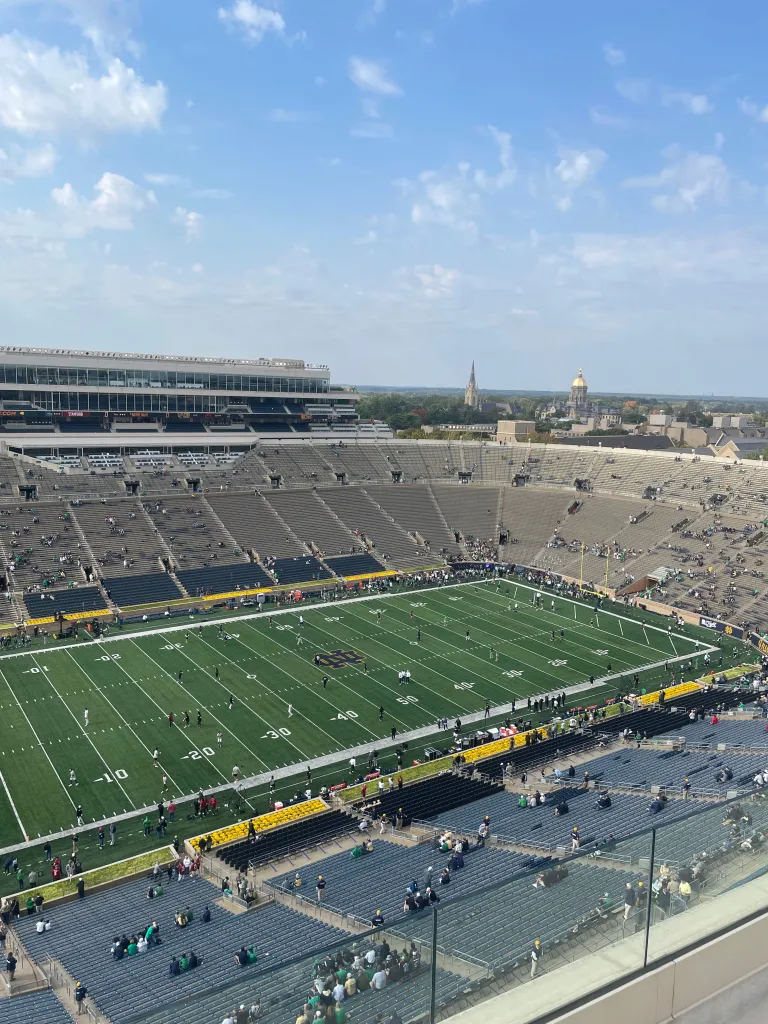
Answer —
129 684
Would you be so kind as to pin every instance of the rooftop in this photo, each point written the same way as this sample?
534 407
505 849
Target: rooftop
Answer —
69 353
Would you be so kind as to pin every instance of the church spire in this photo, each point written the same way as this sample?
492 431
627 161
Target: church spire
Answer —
470 394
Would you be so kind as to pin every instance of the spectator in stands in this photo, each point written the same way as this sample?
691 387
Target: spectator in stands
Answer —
656 806
80 995
241 956
603 800
445 877
320 888
630 900
379 980
377 918
536 953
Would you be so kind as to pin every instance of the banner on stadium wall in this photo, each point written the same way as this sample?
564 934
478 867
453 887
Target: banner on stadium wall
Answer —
757 641
722 627
371 575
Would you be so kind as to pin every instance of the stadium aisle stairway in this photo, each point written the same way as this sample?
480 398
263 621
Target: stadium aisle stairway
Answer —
82 932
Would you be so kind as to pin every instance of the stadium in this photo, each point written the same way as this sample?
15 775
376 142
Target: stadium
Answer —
338 689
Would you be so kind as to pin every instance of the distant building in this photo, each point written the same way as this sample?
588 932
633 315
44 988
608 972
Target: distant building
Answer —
578 403
514 430
470 394
461 428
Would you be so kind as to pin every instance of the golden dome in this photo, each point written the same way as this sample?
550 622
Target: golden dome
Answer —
579 382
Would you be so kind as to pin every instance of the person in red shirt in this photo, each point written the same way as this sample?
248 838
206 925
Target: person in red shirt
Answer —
204 805
171 810
213 805
363 790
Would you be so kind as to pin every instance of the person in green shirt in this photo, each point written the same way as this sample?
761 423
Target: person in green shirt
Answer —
363 981
341 975
133 949
190 915
20 878
147 826
339 1013
184 962
251 955
159 890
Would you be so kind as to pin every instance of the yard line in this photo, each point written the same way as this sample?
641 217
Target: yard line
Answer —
450 700
13 807
615 615
364 636
160 708
39 741
356 693
513 658
96 686
213 716
296 711
82 730
571 641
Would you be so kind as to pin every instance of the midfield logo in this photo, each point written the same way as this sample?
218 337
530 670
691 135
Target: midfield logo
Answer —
340 659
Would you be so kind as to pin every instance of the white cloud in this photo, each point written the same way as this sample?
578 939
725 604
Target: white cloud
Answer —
694 103
752 109
191 222
281 116
371 76
459 5
370 108
719 142
437 282
577 166
368 238
117 199
372 130
687 179
604 118
211 193
613 55
564 204
197 268
517 311
165 180
49 90
636 90
254 21
508 172
106 23
453 198
26 163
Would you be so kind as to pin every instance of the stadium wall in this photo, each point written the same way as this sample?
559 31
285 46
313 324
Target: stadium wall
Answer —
709 966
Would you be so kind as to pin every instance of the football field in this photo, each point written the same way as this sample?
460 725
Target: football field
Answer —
256 698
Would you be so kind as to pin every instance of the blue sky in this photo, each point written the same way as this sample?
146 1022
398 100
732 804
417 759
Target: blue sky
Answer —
394 187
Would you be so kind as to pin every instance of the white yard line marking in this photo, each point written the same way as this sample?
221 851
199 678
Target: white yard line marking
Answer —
13 808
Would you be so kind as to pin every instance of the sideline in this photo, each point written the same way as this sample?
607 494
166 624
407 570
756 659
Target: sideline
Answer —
300 607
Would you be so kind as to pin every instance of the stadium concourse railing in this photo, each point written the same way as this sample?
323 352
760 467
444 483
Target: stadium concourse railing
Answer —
477 945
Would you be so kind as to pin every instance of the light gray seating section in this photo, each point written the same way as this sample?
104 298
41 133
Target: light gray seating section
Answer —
390 541
413 506
302 464
471 509
313 521
359 461
192 531
131 529
49 530
255 525
530 516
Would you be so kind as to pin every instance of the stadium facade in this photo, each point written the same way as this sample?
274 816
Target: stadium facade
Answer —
55 391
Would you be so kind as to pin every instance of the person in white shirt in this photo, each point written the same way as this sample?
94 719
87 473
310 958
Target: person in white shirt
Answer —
40 927
379 979
339 992
141 945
